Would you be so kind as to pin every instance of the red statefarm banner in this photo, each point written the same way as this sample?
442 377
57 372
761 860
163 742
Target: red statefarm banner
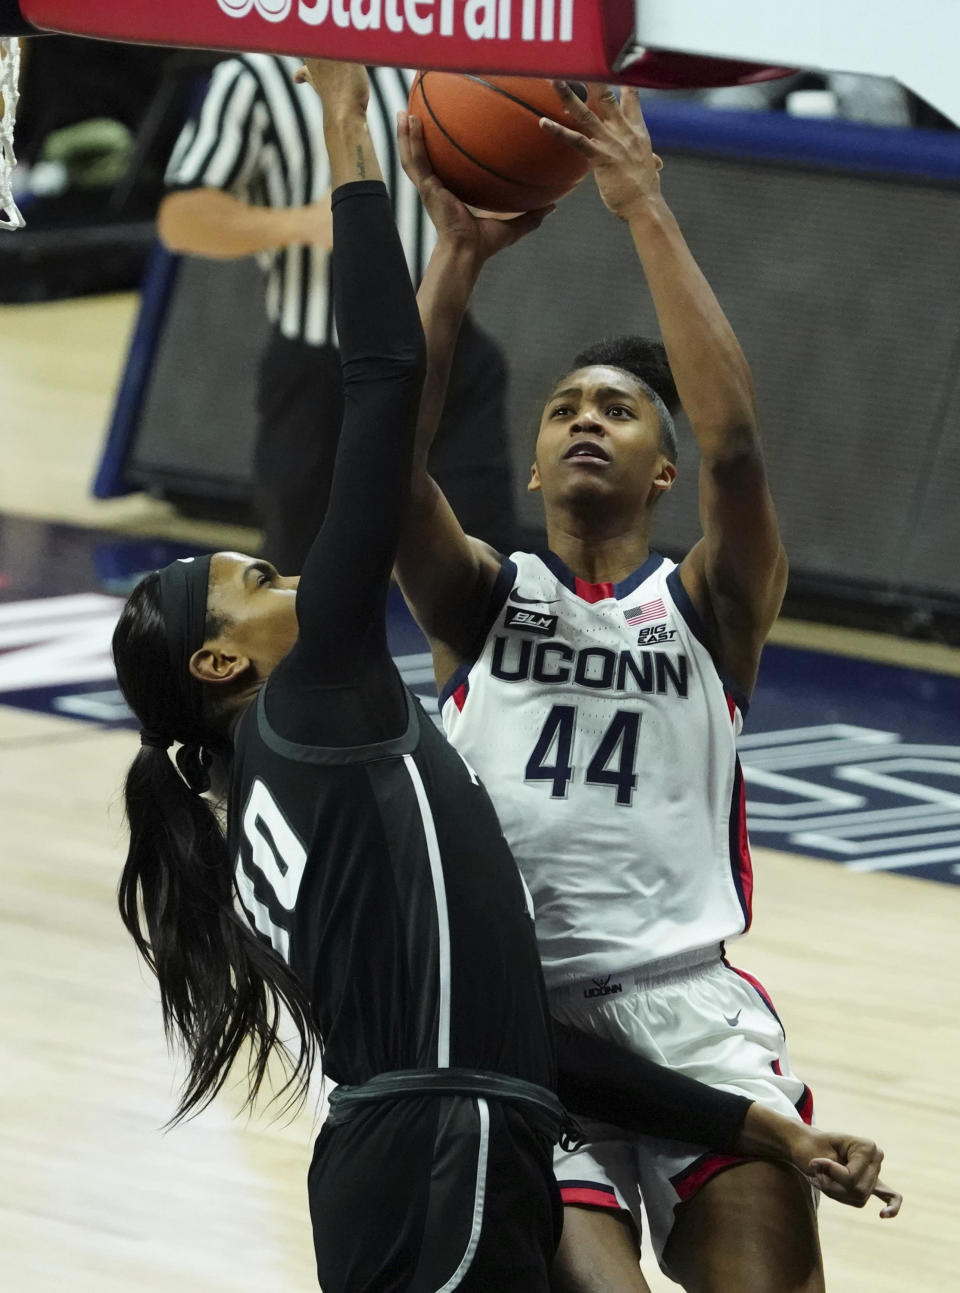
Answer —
573 38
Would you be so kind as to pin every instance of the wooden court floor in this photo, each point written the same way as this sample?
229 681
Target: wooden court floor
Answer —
863 967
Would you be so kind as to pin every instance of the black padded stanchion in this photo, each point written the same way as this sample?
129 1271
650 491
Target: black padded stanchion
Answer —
12 21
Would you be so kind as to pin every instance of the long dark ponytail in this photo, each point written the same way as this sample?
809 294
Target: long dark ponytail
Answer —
220 985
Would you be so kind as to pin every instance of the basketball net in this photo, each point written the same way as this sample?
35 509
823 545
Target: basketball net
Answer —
10 217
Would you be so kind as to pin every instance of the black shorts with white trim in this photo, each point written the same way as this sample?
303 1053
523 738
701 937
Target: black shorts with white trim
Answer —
434 1193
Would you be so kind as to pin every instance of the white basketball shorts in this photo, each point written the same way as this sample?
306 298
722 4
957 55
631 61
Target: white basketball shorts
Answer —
695 1013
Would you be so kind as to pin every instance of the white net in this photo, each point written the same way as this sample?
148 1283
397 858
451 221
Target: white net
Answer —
10 217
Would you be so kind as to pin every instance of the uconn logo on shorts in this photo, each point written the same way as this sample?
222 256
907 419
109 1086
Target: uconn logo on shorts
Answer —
602 988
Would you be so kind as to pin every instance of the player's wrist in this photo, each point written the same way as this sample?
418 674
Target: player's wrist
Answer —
459 251
646 214
766 1134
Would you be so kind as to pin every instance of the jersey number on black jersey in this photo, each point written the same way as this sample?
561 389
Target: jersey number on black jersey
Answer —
279 856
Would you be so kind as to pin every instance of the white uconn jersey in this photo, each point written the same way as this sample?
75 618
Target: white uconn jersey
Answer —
595 716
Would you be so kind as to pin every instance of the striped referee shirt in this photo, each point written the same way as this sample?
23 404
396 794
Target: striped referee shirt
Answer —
259 137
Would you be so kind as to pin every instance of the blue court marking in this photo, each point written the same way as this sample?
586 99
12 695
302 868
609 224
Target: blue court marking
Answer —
843 759
61 590
856 762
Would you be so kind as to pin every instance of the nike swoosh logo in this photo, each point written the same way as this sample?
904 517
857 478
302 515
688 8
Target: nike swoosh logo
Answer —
734 1021
533 601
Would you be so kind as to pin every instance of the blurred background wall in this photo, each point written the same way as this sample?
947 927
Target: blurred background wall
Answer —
839 281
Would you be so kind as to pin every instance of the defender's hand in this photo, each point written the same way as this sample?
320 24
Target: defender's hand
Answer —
850 1173
341 86
615 141
844 1168
455 223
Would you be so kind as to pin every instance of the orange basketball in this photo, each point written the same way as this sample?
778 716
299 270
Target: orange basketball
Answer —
484 139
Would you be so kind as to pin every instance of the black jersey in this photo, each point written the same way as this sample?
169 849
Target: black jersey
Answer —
380 874
366 851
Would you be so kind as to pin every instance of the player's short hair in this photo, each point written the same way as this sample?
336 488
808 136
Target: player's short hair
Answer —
645 360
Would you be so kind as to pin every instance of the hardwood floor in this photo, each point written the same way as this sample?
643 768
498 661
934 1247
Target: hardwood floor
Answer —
864 968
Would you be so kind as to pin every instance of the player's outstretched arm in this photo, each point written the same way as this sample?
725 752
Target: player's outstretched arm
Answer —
344 91
598 1079
845 1168
736 574
343 588
446 576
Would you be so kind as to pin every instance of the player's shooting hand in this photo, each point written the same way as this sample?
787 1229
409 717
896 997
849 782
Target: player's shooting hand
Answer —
341 86
455 223
615 141
847 1169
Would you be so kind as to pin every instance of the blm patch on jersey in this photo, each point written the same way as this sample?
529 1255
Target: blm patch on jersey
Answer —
531 621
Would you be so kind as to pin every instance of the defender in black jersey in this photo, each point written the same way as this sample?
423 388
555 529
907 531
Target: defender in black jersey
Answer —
391 920
365 851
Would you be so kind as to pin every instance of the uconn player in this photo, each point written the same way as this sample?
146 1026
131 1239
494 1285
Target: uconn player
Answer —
598 690
393 923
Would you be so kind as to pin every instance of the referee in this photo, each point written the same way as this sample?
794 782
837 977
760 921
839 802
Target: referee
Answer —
249 175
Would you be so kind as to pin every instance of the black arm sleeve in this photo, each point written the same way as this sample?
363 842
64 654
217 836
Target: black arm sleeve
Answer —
597 1079
341 601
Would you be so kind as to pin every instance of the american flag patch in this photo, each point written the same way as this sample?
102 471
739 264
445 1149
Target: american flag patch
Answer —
645 613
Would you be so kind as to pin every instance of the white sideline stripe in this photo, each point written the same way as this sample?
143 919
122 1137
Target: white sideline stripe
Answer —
419 660
810 796
56 608
944 759
848 822
831 731
478 1199
443 920
806 756
925 818
102 706
922 858
416 677
821 840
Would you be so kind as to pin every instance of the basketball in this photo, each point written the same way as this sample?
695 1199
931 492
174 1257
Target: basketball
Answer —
484 140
